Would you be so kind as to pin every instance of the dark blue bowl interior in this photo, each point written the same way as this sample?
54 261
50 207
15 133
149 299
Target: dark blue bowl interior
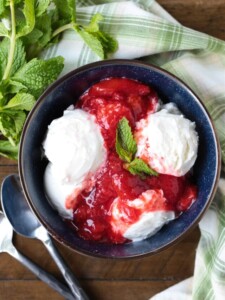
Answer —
65 92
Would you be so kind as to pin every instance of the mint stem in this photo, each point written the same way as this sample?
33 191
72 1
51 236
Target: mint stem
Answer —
12 42
63 28
11 141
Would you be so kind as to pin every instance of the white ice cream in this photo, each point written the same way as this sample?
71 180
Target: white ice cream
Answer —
150 220
148 225
75 149
168 141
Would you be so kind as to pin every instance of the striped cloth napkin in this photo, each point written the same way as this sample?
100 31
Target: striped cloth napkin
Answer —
147 32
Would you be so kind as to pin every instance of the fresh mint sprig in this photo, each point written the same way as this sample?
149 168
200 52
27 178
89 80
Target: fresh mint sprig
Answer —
27 27
126 148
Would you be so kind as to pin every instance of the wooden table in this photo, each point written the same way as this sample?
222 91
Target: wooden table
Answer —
103 279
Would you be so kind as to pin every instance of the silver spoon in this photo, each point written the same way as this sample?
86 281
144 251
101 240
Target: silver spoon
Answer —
6 245
25 223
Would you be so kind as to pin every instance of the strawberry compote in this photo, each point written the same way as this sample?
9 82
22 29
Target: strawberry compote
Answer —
109 101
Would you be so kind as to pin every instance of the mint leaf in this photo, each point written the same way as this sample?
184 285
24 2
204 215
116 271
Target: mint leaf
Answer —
19 118
126 146
139 167
43 24
2 7
27 25
18 59
37 74
8 150
21 101
39 38
108 43
11 124
3 93
2 102
93 25
32 37
71 8
124 155
41 7
66 10
15 87
91 40
4 49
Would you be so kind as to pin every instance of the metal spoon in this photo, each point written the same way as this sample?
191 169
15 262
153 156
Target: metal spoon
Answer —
25 223
6 245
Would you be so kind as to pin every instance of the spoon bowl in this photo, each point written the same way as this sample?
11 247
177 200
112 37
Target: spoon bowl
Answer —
25 223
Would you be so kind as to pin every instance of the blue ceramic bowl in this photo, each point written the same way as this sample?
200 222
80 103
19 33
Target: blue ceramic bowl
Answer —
63 93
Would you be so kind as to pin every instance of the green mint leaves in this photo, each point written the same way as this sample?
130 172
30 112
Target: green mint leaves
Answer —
37 74
22 80
139 167
27 27
126 148
8 150
26 24
100 42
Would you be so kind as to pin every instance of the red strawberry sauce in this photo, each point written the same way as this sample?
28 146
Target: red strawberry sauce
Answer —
110 100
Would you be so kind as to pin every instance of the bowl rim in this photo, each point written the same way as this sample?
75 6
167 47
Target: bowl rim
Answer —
121 62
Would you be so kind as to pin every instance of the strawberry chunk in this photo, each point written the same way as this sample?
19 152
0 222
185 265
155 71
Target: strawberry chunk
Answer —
187 198
108 116
107 87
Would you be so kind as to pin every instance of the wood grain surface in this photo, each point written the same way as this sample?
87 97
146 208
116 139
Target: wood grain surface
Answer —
136 279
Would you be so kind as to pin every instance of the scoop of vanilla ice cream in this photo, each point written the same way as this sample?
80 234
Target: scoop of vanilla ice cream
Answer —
148 225
74 145
150 221
75 149
58 191
167 141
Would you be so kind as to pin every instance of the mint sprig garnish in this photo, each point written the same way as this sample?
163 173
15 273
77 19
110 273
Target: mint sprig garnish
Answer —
126 148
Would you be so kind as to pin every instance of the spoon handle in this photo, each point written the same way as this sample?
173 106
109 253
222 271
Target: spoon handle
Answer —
42 274
73 283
